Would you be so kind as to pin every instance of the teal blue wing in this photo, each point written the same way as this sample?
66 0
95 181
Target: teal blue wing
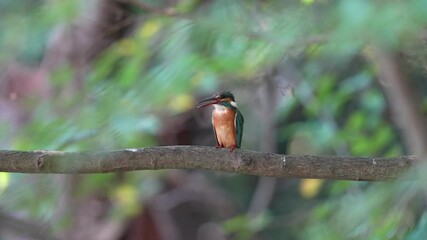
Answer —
238 123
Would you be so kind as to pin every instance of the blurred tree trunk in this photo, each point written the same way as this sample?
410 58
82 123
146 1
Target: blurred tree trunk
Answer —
268 142
76 45
404 102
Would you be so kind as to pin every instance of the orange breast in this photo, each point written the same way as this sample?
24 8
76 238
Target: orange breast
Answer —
223 122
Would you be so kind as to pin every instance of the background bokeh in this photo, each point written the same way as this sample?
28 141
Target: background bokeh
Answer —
310 77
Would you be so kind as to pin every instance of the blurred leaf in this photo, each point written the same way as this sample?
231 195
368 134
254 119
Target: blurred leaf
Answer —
130 73
356 121
126 47
373 101
4 181
339 187
244 227
382 137
186 6
324 87
61 76
260 221
238 225
149 29
356 83
60 11
307 2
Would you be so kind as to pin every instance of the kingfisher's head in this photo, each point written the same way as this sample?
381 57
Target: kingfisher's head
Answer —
225 99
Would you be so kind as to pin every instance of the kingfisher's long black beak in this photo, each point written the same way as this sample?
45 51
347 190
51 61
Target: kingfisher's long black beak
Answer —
208 101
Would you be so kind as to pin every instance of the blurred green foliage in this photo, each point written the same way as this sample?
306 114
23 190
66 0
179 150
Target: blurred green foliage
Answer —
153 73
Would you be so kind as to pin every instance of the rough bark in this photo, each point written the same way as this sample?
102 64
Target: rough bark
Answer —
209 158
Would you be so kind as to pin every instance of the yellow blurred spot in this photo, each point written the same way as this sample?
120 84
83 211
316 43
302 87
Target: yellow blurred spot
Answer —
307 2
149 29
4 181
182 103
126 197
309 188
127 47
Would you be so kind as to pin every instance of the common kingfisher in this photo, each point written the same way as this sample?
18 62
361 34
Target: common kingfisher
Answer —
227 121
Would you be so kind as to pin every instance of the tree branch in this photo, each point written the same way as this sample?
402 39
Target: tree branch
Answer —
209 158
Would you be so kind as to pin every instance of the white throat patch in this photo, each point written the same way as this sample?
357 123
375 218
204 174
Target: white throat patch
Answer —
233 103
219 107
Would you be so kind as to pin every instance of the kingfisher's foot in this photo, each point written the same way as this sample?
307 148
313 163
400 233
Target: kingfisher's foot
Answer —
232 148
